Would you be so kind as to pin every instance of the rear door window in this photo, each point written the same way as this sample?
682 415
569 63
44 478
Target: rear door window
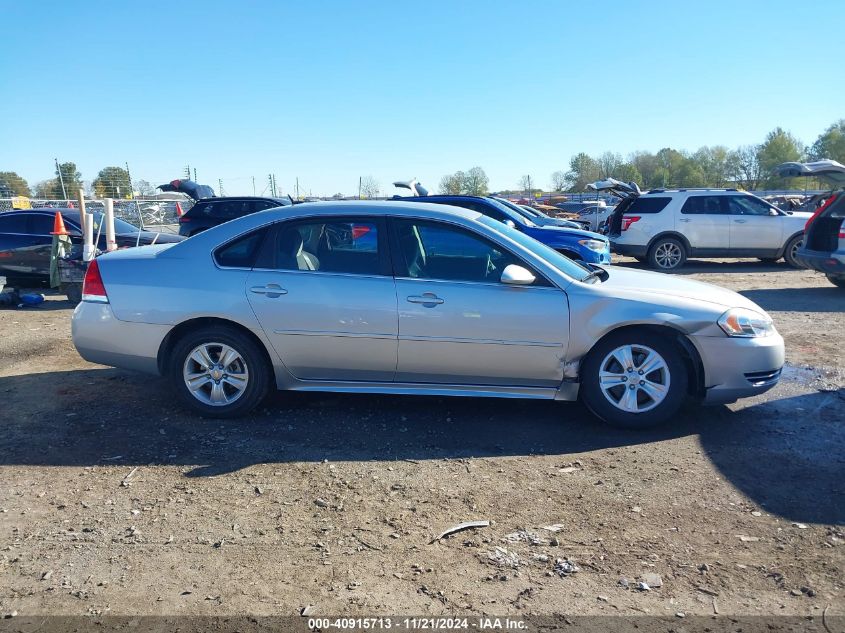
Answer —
646 205
40 224
704 205
337 245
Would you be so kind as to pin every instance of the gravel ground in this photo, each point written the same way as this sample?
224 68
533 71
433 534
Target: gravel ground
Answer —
116 501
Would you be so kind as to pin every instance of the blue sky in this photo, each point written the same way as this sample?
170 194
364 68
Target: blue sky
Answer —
328 91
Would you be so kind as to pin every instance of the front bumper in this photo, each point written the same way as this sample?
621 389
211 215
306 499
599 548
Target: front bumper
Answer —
739 367
824 262
102 338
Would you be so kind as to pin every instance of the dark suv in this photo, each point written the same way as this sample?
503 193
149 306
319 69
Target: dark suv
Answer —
210 212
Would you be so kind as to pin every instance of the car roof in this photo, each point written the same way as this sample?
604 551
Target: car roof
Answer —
222 198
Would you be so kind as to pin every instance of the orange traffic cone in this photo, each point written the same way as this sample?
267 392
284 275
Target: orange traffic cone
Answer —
59 225
179 211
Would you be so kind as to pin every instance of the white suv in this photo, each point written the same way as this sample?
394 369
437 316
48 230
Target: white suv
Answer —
666 226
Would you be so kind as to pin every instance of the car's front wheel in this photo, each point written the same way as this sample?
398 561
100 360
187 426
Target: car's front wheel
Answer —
219 372
837 280
667 254
634 379
791 251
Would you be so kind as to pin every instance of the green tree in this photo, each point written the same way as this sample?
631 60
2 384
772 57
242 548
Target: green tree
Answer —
583 169
646 164
11 184
713 163
779 147
744 166
475 182
830 144
452 184
608 164
68 175
112 182
626 172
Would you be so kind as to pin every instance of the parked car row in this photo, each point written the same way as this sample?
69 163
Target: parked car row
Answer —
25 240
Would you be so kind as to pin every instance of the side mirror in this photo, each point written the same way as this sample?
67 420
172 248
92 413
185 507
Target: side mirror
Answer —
510 223
517 276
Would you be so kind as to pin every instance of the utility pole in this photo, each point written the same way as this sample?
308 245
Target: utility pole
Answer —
61 178
297 187
253 185
359 187
187 172
220 186
195 174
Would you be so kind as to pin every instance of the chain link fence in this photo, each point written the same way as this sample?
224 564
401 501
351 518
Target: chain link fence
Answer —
146 213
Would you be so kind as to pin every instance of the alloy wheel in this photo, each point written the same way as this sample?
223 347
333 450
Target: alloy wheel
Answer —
215 374
668 255
634 378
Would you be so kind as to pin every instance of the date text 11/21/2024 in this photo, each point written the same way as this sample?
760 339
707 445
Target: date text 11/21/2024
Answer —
417 624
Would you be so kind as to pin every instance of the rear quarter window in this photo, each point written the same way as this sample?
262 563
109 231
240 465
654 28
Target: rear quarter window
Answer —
242 252
647 205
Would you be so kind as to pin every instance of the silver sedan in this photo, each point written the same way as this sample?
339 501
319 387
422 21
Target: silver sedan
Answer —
409 298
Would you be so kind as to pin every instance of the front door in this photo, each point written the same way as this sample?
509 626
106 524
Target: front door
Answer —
703 220
755 226
458 324
326 299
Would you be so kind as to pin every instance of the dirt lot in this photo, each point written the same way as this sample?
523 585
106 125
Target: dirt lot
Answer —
116 501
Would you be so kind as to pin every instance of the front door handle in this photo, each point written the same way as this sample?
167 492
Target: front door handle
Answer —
270 290
684 220
740 221
427 298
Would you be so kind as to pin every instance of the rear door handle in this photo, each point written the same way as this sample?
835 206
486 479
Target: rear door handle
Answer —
270 290
427 298
740 221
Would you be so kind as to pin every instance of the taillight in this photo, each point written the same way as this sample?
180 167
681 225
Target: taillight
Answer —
628 220
93 288
826 204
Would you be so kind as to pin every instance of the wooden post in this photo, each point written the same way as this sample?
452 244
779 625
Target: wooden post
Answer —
82 216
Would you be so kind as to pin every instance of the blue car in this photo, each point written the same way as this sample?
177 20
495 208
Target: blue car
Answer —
574 243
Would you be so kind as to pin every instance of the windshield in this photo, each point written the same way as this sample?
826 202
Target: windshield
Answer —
561 262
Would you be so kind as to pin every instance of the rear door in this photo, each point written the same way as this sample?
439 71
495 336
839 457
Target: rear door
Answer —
458 324
754 225
704 221
325 296
18 247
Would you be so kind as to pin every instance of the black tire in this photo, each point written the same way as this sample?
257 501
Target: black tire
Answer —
258 371
836 280
676 375
73 291
792 246
667 254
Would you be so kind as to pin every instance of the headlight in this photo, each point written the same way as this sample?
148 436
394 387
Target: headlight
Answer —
746 323
593 245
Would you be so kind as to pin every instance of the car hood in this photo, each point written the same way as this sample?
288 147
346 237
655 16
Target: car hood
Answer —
639 284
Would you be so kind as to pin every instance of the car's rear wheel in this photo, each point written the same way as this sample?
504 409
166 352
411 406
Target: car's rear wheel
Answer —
836 280
219 372
667 254
791 251
634 379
